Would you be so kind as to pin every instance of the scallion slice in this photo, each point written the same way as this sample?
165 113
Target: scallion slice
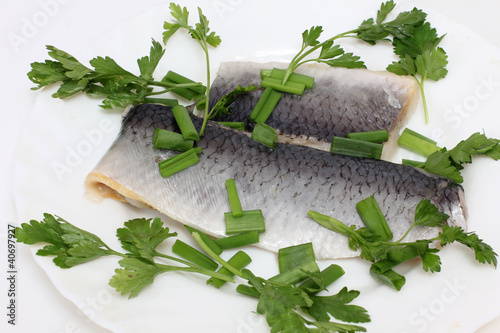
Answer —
417 143
251 220
206 239
389 277
265 134
306 80
416 164
234 199
179 162
296 274
233 124
238 240
370 136
373 218
327 276
165 139
239 261
185 123
265 105
289 87
193 255
295 256
356 148
164 101
188 93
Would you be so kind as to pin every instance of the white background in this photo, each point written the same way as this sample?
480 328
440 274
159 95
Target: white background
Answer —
26 27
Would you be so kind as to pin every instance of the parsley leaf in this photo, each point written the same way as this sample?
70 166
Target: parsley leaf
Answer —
141 236
448 163
386 255
147 65
71 246
224 104
336 305
135 275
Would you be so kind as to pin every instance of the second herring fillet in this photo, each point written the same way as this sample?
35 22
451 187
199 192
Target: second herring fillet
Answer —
341 101
285 184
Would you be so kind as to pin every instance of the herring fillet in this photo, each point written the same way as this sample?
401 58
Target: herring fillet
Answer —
285 184
341 101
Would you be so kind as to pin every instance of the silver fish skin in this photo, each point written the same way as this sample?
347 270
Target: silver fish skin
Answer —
285 183
341 101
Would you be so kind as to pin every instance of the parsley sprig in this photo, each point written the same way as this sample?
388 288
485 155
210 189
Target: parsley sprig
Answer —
385 255
73 246
413 39
287 307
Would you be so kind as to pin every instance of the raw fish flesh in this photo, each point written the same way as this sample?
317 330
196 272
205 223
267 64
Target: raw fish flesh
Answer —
341 101
285 183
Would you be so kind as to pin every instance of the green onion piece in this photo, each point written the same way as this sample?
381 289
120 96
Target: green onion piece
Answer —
188 93
389 277
193 255
252 220
330 222
239 261
306 80
265 134
268 107
416 164
296 274
248 291
373 218
265 105
288 87
370 136
185 123
295 256
164 101
206 239
234 199
417 143
165 139
327 276
238 240
233 124
265 73
179 162
356 148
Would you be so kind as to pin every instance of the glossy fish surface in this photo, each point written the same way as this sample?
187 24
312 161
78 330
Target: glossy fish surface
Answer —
285 183
341 101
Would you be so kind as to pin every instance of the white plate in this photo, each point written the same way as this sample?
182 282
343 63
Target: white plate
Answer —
63 140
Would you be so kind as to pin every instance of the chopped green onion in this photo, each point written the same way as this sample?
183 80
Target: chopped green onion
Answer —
193 255
394 258
233 124
295 256
306 80
288 87
206 239
326 277
185 123
238 240
265 73
251 220
164 101
234 199
296 274
179 162
389 277
356 148
417 143
165 139
370 136
265 134
239 261
265 105
373 218
416 164
188 93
